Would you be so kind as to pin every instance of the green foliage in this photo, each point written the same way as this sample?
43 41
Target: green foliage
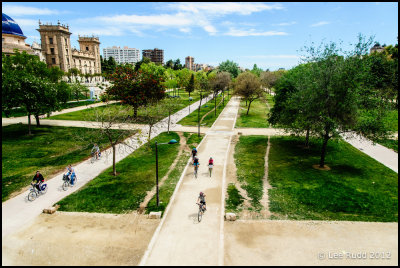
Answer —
190 86
108 66
230 67
257 118
357 188
248 86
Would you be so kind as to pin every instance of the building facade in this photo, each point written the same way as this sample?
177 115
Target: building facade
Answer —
122 55
155 55
189 63
57 50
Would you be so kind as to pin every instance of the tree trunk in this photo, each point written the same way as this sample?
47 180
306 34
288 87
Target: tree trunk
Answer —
248 108
169 119
198 117
323 152
246 102
135 112
37 120
29 124
215 107
114 169
223 99
148 141
307 136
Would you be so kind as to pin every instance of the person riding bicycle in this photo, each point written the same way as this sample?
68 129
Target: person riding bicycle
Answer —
39 180
202 199
196 162
210 162
194 152
70 170
96 150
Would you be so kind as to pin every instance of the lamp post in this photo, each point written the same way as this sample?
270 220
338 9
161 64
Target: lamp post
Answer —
170 142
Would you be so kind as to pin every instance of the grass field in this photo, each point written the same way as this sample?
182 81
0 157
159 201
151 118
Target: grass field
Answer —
50 149
85 115
192 119
357 188
257 117
124 192
21 112
249 159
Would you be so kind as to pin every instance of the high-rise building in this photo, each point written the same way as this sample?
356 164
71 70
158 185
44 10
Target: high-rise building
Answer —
155 55
122 55
189 63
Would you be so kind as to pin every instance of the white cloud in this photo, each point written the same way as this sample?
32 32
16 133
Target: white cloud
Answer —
272 57
252 32
224 8
321 23
26 23
285 23
15 10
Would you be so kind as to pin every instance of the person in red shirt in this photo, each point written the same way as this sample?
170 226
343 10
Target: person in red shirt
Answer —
39 180
210 164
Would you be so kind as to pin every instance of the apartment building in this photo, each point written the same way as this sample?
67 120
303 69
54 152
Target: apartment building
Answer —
122 55
155 55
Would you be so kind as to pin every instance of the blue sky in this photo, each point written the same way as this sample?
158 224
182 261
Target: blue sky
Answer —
270 35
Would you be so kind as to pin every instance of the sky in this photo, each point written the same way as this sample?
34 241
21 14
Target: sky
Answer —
271 35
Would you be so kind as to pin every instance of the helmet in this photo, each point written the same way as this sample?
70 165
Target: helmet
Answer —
210 157
201 194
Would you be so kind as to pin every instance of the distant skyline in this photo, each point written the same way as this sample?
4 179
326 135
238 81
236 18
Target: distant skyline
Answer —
270 35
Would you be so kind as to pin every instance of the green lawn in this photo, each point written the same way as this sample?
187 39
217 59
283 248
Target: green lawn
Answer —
192 118
249 159
124 192
50 149
85 115
257 117
357 188
21 112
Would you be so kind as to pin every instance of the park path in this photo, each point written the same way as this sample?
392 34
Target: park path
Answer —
180 239
18 211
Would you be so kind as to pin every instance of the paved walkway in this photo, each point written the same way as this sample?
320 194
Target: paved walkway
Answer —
18 211
180 238
24 119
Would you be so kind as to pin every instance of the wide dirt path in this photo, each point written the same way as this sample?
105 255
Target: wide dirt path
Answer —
181 239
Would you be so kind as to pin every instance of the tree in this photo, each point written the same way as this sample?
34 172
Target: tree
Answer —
183 78
257 71
78 89
230 67
152 114
170 105
178 65
109 122
139 63
169 64
190 86
219 83
28 83
333 94
248 86
137 88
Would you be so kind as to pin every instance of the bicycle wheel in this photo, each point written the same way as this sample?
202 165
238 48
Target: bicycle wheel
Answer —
32 196
44 190
210 169
195 171
200 214
65 185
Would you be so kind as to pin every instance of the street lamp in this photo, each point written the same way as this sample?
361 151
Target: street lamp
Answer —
170 142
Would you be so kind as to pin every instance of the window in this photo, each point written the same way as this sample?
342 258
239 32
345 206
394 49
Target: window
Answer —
52 51
53 60
87 48
51 40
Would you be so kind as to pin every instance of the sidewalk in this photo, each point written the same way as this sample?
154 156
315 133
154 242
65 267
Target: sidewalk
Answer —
18 211
181 239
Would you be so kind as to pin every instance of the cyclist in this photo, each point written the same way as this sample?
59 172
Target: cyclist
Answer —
210 164
70 170
96 150
194 152
196 163
202 200
39 180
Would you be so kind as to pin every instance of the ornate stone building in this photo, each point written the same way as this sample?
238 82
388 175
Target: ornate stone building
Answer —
12 37
56 47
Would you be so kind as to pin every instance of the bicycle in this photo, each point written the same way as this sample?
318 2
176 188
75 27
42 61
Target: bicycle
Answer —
196 168
34 192
210 167
67 182
201 211
93 154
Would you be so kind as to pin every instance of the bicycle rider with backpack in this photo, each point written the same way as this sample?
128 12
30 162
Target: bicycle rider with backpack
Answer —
39 180
194 153
196 163
70 171
202 200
